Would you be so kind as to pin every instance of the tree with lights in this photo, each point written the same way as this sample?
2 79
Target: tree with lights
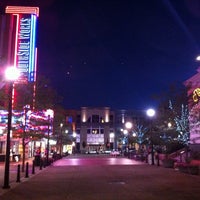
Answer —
182 123
140 131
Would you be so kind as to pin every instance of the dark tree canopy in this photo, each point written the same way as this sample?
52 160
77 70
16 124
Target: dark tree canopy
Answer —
39 95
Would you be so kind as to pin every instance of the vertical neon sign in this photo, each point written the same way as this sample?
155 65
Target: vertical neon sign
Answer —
25 41
23 51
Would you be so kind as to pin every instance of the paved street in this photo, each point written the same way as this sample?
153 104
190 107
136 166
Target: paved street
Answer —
104 178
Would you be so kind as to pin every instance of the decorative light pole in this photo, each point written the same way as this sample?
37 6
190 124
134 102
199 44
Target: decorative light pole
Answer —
125 139
74 142
128 126
11 74
49 113
26 108
151 113
61 138
112 140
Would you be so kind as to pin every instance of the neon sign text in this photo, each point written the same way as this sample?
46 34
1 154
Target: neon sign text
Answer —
196 95
23 52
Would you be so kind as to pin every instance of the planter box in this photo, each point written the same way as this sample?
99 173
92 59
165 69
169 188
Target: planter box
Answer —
190 168
168 163
194 170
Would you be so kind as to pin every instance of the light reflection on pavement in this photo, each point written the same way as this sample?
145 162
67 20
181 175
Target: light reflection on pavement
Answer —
74 161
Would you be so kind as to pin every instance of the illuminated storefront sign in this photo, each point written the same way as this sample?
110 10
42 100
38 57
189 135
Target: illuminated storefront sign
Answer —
196 95
23 46
25 41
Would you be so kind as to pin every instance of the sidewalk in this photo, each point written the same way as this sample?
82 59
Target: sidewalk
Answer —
105 179
13 173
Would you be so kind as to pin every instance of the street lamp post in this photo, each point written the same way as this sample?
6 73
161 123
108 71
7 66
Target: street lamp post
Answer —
61 138
26 107
11 75
128 126
47 154
112 140
74 142
151 113
49 114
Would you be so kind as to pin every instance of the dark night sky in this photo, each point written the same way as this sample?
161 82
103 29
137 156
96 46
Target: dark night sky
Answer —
116 53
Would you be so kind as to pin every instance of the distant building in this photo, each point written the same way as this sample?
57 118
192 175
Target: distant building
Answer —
99 129
94 128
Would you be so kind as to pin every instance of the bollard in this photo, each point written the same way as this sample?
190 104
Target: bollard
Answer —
41 164
44 163
146 158
33 167
158 160
18 173
26 176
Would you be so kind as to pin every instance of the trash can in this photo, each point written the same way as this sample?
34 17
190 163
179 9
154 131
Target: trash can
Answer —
37 160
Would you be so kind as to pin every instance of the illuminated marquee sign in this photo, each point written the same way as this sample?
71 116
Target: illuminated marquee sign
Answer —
196 95
23 57
25 41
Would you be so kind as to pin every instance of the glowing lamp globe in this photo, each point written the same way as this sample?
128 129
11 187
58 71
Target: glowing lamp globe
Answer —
74 134
12 73
151 112
198 58
49 113
128 125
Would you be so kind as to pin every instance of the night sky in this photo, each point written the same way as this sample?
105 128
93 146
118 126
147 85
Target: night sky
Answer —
116 53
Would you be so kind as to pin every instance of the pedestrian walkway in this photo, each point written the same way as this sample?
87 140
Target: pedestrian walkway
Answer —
93 178
14 177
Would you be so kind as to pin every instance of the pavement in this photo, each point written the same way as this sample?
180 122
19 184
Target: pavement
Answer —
13 176
104 178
